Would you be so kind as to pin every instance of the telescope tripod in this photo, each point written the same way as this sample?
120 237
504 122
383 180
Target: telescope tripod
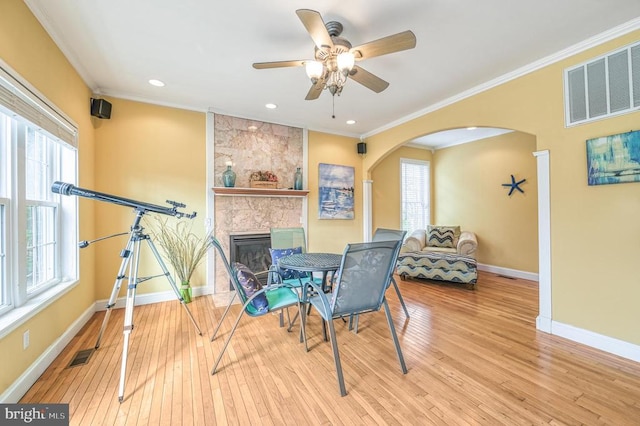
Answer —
130 259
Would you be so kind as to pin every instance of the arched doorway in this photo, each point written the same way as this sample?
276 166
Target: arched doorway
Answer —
481 169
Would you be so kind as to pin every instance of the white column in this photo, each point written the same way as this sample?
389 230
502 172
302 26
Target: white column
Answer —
543 321
367 221
209 220
304 214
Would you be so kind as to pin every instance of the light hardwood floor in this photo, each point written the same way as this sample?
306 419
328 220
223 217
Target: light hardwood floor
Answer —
474 357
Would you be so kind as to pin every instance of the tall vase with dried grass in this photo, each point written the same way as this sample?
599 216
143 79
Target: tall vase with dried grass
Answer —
182 247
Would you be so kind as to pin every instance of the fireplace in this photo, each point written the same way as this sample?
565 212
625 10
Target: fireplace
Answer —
251 250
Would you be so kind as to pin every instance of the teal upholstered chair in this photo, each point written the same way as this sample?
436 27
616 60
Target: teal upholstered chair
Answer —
363 279
256 300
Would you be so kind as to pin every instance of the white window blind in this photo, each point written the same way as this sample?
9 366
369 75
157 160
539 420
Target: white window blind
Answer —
37 148
415 194
19 99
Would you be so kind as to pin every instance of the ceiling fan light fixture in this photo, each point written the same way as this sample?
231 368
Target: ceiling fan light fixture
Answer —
346 61
334 56
314 70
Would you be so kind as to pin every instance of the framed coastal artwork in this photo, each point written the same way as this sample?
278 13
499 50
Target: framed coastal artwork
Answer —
335 192
614 159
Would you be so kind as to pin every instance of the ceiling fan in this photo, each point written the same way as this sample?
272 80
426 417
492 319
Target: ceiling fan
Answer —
334 58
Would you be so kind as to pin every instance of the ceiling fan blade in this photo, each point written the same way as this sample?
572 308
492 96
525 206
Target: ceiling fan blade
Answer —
315 90
314 24
367 79
393 43
280 64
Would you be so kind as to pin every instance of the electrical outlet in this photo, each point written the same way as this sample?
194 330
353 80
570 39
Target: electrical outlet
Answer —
25 340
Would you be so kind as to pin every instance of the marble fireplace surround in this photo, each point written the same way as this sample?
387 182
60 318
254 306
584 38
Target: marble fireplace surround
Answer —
252 145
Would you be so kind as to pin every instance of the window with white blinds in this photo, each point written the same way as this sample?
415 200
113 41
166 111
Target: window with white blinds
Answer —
38 229
415 190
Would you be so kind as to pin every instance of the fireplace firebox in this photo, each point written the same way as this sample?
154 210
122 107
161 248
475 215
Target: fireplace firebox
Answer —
251 250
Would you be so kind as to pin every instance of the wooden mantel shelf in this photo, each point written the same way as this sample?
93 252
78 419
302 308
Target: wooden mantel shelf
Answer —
221 190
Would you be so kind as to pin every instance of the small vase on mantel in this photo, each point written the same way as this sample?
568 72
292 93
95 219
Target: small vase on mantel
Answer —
229 177
297 179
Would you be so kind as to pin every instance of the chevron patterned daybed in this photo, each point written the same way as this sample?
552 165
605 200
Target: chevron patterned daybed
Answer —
440 253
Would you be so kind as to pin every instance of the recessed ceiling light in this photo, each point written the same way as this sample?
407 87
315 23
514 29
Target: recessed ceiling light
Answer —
252 128
271 106
156 83
351 121
471 128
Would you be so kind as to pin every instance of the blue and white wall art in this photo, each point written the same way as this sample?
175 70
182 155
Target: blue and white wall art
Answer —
335 192
614 159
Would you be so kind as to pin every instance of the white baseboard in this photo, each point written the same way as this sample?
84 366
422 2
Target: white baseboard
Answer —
507 272
148 298
544 324
604 343
20 387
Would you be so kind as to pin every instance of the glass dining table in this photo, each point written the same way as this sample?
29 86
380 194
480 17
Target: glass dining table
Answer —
324 263
313 262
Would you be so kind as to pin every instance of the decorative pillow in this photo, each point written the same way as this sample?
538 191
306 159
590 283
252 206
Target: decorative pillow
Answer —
286 274
443 236
250 285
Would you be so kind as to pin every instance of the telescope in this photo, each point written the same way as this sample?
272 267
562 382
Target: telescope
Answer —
69 189
130 261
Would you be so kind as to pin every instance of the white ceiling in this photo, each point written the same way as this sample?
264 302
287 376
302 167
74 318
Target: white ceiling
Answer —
203 50
453 137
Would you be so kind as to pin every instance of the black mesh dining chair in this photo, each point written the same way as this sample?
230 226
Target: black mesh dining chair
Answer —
286 241
383 234
363 279
283 238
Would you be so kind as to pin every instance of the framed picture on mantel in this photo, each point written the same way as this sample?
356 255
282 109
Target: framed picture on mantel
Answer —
335 191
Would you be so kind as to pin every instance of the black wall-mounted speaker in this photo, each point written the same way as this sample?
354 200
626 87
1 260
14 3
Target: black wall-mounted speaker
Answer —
100 108
362 148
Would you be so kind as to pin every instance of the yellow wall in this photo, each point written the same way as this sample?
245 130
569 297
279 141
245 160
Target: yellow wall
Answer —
592 288
386 186
26 48
468 192
151 154
332 235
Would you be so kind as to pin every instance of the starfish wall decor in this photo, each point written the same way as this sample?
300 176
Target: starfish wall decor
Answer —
514 185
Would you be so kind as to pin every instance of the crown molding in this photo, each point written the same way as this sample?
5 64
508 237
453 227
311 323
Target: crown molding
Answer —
589 43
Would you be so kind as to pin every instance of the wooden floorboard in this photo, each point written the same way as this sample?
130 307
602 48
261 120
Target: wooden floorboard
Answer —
474 358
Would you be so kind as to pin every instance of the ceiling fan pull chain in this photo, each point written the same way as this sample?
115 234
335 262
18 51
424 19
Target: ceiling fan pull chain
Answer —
333 107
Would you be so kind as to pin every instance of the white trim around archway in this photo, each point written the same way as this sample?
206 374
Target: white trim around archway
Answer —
367 209
543 321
